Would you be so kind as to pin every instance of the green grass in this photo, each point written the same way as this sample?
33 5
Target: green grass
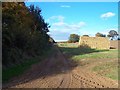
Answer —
109 69
98 55
106 68
67 44
17 70
76 53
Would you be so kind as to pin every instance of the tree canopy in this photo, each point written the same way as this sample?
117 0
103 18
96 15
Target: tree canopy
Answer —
100 35
74 38
113 35
24 32
86 35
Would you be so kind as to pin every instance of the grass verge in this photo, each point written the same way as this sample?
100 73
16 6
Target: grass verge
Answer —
109 69
19 69
98 54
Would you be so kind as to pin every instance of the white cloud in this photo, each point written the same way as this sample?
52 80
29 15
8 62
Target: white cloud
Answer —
59 18
67 28
61 29
62 26
107 15
65 6
59 24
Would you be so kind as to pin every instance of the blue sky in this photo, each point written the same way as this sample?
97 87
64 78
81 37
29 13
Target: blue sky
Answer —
80 18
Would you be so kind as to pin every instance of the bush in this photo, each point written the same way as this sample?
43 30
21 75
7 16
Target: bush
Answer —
73 38
24 33
85 46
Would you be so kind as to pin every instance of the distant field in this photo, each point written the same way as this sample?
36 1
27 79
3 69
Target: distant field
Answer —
68 44
102 62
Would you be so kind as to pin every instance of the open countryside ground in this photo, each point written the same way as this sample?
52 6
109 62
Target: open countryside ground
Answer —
31 59
67 67
101 62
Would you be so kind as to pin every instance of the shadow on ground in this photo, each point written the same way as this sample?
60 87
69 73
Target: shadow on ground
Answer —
71 51
56 63
53 65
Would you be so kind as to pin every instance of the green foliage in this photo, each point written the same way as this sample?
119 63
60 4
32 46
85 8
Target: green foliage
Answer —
24 33
112 33
84 46
100 35
20 68
16 70
86 35
73 38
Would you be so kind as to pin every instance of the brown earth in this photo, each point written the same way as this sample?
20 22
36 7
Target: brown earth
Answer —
58 72
114 44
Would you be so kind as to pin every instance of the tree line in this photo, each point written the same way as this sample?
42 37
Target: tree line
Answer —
112 35
24 33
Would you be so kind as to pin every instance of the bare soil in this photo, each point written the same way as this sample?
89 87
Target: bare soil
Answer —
59 72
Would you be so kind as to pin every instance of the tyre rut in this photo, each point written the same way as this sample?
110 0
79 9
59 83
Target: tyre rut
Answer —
56 72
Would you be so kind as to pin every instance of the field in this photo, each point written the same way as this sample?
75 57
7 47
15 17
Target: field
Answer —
101 62
68 66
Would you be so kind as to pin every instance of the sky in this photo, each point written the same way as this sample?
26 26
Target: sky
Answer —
80 18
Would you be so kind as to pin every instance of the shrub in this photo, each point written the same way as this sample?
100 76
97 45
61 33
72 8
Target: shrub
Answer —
24 31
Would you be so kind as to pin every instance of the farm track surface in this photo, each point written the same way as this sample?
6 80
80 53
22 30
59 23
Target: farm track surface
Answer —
56 72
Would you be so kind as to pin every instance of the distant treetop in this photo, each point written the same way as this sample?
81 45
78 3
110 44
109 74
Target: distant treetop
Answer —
86 35
100 35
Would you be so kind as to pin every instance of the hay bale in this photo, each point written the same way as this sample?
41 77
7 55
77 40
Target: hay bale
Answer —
95 42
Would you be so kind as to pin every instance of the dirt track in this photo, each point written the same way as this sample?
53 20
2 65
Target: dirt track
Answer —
58 72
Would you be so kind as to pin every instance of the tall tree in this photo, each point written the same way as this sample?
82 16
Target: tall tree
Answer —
113 35
74 38
24 32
